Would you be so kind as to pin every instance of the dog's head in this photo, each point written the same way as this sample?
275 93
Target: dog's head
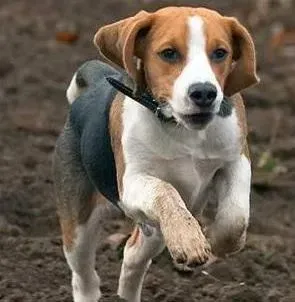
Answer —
191 58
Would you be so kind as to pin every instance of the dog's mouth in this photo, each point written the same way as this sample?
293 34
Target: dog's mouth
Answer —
197 120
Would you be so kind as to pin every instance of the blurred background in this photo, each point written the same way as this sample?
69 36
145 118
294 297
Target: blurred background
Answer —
41 45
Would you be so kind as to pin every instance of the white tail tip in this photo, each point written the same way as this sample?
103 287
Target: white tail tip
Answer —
73 90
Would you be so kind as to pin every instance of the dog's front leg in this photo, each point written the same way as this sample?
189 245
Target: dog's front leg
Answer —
227 234
147 198
143 245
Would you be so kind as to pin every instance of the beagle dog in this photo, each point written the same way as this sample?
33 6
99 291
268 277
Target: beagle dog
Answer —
194 62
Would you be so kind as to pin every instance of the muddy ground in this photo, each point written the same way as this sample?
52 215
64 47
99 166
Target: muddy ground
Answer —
35 69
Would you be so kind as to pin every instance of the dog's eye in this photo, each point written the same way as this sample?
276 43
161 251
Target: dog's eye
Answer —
170 55
218 55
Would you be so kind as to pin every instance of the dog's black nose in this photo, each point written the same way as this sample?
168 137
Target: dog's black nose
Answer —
202 94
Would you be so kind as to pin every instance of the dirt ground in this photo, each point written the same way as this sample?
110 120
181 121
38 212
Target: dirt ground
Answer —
35 69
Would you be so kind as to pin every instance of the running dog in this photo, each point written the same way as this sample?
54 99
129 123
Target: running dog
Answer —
157 171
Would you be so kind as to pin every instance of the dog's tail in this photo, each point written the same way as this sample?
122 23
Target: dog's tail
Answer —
74 90
87 75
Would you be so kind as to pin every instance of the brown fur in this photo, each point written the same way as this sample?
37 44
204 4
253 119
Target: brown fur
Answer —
134 238
116 42
243 74
88 206
116 129
160 75
238 104
68 227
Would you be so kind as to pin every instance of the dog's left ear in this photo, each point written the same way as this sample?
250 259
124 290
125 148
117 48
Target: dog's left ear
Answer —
243 73
117 42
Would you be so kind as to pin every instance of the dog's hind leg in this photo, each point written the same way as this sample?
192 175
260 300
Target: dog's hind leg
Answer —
144 244
80 216
80 257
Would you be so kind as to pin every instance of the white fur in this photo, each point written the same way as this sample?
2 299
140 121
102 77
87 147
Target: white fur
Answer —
197 70
81 260
233 195
156 153
185 158
73 90
137 259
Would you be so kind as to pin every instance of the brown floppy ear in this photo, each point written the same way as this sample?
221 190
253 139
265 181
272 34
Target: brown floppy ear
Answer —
243 73
116 42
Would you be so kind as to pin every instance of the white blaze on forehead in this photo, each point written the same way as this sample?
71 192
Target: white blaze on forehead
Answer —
196 40
197 69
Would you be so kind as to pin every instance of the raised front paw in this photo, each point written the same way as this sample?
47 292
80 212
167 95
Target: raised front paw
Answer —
185 240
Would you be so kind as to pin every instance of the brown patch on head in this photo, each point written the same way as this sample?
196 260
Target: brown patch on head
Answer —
218 36
146 35
169 31
238 70
116 129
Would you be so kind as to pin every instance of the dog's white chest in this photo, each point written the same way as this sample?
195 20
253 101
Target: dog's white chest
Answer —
188 159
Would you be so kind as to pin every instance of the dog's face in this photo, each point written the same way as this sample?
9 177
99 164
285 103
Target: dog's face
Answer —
191 58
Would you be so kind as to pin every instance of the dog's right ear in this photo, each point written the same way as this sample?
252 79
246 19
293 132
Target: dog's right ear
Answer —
116 42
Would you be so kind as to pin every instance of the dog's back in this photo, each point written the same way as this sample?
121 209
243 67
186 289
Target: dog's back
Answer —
86 132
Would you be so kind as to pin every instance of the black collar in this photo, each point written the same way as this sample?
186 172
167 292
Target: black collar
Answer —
145 99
